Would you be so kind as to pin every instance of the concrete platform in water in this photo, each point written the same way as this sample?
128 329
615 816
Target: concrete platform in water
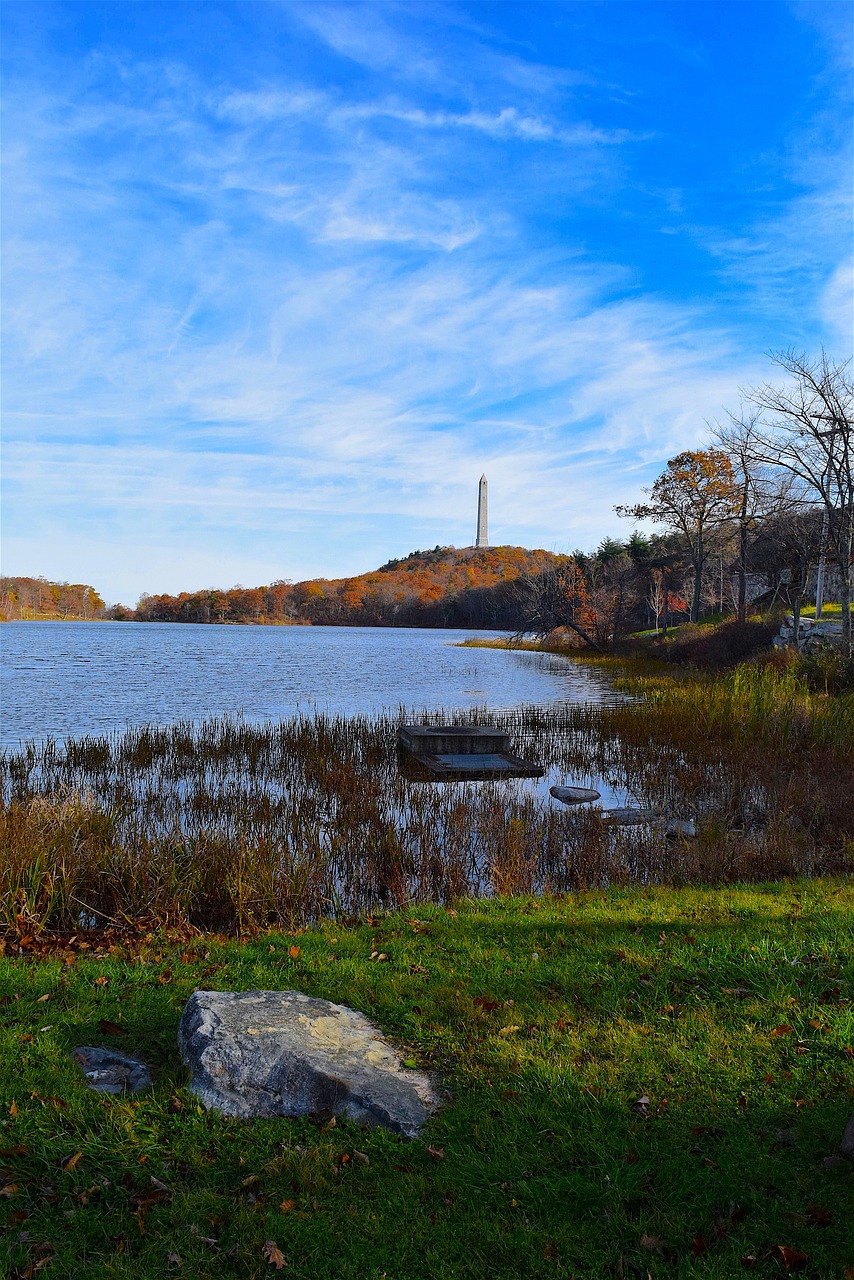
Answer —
459 753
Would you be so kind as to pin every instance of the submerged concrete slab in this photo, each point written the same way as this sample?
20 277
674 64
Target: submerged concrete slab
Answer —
283 1053
452 739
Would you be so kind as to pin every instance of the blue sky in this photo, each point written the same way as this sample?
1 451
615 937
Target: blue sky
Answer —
281 280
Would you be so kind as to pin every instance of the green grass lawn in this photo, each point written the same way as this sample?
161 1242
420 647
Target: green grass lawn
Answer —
645 1083
830 610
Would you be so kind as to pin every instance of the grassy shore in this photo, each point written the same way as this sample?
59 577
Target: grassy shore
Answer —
645 1082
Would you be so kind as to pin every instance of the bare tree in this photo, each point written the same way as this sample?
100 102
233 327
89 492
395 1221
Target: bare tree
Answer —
807 429
761 492
557 597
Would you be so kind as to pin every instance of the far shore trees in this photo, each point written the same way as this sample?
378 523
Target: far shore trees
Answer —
696 497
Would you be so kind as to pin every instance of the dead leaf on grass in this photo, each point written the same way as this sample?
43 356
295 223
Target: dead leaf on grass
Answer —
436 1152
783 1030
111 1028
792 1259
654 1244
71 1162
274 1255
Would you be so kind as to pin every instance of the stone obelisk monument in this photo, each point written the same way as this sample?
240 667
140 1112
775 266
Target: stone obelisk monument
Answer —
482 534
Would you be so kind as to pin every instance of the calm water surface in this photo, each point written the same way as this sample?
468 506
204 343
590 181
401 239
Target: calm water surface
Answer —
67 679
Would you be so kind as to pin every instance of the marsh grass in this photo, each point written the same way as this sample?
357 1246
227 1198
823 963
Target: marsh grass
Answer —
644 1082
234 826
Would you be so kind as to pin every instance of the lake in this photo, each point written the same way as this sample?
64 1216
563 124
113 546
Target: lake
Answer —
69 679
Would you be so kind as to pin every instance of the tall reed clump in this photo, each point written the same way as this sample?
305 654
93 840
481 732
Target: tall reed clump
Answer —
233 826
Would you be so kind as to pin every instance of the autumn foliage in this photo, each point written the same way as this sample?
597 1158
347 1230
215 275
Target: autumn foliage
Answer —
30 598
445 587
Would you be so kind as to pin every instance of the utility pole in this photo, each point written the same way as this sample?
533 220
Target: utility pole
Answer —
825 520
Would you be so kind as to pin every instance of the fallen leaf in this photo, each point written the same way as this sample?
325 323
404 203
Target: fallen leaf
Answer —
174 1257
360 1155
736 991
13 1108
101 982
642 1105
436 1152
287 1205
111 1028
783 1030
817 1216
487 1005
251 1180
272 1252
654 1244
142 1200
42 999
699 1245
293 952
71 1162
550 1251
9 1153
10 1189
749 1260
792 1259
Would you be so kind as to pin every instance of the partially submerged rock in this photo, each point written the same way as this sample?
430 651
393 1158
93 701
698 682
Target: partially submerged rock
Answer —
630 817
283 1053
681 828
574 795
109 1072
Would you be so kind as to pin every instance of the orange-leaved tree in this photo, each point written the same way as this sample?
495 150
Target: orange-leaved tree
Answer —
697 497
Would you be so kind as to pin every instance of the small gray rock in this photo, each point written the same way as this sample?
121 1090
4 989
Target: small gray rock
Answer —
680 828
109 1072
574 795
846 1146
283 1053
630 817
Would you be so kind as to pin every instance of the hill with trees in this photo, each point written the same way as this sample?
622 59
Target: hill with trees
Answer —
445 587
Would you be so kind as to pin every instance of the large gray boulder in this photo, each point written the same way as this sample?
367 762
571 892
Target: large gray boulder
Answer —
283 1053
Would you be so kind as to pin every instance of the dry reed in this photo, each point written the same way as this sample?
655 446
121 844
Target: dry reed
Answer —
233 826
